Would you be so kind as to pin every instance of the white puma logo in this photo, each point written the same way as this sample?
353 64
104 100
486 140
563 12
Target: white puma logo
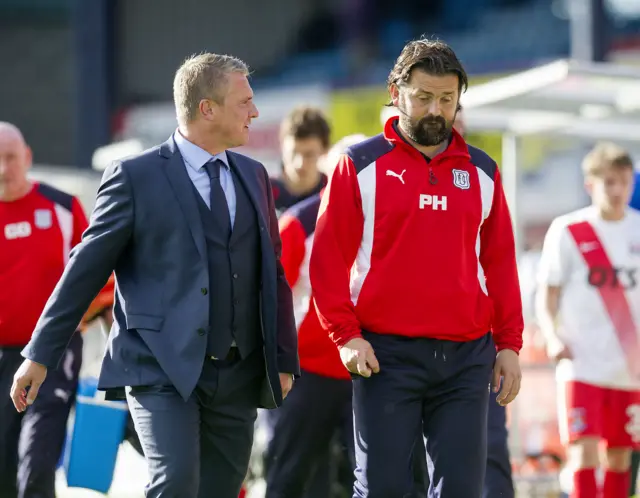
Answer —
398 176
62 394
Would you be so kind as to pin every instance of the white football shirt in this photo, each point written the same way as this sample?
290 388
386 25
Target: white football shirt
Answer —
585 325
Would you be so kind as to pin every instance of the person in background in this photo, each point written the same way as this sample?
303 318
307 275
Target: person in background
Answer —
588 307
498 479
305 135
413 265
39 225
635 457
635 196
320 405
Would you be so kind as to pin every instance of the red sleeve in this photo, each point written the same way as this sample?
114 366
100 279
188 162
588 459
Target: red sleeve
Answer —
498 259
80 222
103 301
335 245
105 298
293 239
275 188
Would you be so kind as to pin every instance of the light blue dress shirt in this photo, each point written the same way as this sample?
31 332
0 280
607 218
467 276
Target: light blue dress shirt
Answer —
194 159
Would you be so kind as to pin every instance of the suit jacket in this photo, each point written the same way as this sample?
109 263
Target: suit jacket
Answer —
146 227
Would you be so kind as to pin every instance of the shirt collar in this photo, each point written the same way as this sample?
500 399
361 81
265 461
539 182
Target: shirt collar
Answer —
194 156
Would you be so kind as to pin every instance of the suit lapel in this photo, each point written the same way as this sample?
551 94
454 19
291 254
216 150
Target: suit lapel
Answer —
182 186
249 184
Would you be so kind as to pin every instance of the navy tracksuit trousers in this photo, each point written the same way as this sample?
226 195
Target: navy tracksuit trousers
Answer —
498 478
31 442
316 420
441 387
299 457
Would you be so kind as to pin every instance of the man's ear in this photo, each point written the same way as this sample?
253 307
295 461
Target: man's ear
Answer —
394 93
28 156
588 185
208 109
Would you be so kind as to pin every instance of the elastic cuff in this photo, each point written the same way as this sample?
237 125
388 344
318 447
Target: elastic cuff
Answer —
342 340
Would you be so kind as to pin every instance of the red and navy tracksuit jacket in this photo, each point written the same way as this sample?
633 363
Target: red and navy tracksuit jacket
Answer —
414 246
37 233
317 352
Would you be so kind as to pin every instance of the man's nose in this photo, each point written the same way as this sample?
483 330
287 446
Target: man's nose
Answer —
434 108
298 161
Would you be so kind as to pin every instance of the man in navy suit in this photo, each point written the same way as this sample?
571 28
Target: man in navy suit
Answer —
203 331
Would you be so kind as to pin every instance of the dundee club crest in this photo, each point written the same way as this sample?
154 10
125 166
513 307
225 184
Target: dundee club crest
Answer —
43 219
461 179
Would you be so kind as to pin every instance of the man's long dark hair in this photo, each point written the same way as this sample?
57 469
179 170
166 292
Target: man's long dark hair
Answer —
431 56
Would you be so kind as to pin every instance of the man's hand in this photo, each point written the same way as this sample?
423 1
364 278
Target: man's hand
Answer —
30 375
556 350
563 354
286 383
507 367
358 356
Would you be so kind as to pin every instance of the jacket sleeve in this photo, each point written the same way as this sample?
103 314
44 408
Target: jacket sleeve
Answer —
288 361
498 260
293 239
104 299
89 267
337 238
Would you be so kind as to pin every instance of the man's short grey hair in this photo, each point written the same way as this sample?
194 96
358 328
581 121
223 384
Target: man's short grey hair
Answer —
202 76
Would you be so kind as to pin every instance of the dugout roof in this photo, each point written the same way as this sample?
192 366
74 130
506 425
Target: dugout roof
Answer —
587 100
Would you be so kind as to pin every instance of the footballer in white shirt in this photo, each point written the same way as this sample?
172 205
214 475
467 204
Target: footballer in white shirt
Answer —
588 307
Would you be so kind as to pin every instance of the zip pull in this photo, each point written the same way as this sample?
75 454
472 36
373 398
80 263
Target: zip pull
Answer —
432 177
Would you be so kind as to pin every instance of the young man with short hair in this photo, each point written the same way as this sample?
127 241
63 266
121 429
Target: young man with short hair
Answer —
589 310
304 140
298 460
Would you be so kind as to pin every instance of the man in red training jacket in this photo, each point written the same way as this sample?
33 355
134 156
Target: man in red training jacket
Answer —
413 264
298 454
39 225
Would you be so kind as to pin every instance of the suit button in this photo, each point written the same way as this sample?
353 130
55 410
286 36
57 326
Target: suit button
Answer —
236 301
262 229
201 331
235 275
204 291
